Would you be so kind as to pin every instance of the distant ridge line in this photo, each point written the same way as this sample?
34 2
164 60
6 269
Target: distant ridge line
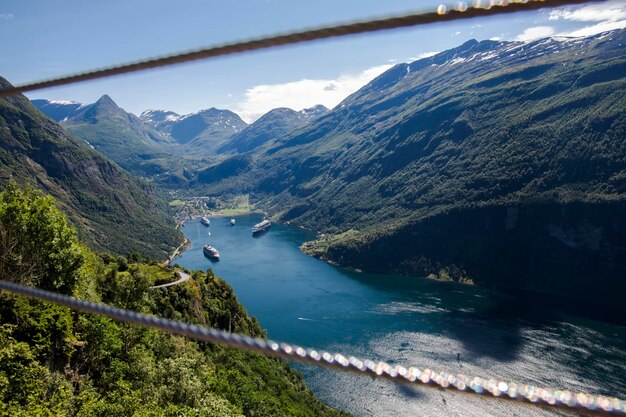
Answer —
442 14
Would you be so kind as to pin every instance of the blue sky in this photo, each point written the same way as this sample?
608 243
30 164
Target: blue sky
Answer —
44 39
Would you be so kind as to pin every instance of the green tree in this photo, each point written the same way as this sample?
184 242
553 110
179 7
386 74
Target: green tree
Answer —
55 362
37 246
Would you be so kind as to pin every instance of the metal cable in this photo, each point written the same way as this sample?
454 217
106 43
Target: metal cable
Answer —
480 8
546 397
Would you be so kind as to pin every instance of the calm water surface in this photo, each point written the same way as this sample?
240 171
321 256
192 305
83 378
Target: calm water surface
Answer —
411 321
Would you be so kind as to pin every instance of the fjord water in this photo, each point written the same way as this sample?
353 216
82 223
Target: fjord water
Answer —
410 321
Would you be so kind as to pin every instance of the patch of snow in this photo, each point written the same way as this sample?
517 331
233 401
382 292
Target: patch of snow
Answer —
541 43
63 102
573 39
489 56
456 61
515 45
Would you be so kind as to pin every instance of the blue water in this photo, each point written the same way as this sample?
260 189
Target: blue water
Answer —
412 321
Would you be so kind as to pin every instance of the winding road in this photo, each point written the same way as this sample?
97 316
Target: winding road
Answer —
182 277
176 253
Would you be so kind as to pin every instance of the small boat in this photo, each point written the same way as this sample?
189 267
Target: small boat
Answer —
232 222
210 252
261 227
205 221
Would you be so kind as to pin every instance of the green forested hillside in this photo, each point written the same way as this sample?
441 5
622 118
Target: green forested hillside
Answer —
55 362
111 210
534 127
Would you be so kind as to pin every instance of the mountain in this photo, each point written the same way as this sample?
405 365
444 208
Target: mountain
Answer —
205 130
272 125
112 210
315 111
58 110
121 136
161 145
501 161
161 120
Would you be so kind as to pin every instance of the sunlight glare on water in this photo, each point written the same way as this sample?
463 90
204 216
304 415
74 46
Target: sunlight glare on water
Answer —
408 321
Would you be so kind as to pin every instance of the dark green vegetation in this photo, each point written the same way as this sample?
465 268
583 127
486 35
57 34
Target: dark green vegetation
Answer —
502 161
111 210
55 362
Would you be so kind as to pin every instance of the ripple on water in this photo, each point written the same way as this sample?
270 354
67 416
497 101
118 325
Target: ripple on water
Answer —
400 307
408 321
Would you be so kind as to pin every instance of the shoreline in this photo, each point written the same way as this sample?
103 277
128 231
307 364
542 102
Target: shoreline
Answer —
430 277
222 215
605 315
177 252
320 256
218 214
187 243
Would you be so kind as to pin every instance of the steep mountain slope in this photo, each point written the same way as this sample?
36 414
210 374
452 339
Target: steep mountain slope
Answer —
456 140
111 210
205 130
272 125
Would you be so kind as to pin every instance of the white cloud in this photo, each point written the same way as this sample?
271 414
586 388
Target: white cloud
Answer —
303 93
535 32
610 11
597 28
422 56
6 16
610 15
